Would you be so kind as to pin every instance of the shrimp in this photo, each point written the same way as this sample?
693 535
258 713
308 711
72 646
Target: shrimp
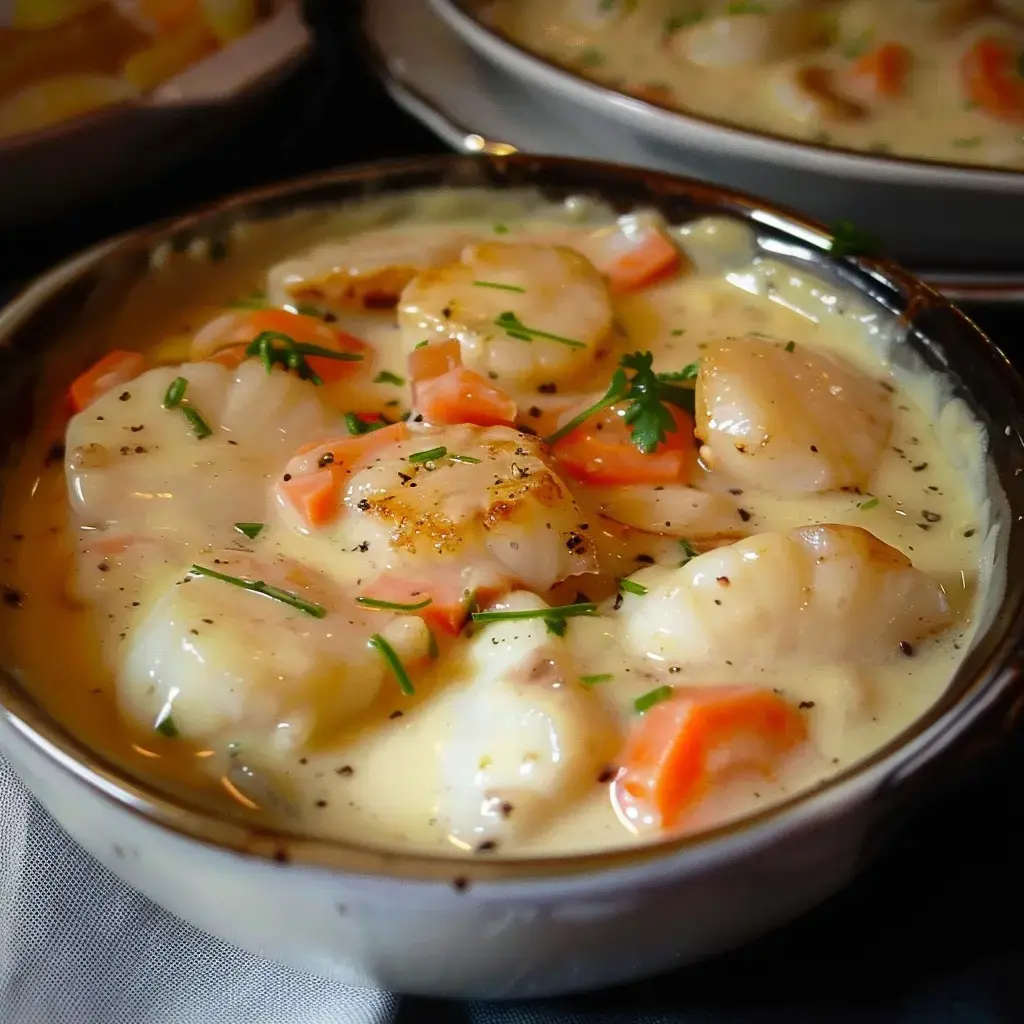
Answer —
229 666
824 593
755 37
789 419
134 466
524 737
364 273
426 498
524 314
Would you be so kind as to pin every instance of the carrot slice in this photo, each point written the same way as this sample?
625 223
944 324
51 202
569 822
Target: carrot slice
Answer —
685 745
315 496
884 69
430 361
115 368
463 396
992 80
450 603
231 330
636 256
600 452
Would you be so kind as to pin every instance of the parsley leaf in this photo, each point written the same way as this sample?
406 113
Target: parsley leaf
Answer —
649 394
849 240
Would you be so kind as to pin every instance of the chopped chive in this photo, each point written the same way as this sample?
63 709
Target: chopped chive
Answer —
565 611
166 727
199 426
353 424
601 677
677 332
421 344
870 503
430 455
556 626
632 587
251 530
652 697
513 326
689 551
501 229
387 652
317 611
790 345
387 377
471 460
393 606
432 649
175 393
499 285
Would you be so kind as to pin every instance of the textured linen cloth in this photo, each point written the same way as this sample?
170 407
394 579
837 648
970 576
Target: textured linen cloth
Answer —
78 946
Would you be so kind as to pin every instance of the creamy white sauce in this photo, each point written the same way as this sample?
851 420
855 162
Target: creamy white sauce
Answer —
793 68
287 739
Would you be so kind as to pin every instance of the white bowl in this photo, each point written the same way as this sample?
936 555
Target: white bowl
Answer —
49 172
499 927
928 213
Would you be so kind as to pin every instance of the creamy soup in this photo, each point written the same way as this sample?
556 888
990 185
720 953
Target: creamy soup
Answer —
934 79
487 524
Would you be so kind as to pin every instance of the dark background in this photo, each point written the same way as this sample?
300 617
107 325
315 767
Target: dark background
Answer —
929 934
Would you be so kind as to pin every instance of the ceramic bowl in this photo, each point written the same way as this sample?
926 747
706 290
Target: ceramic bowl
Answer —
501 927
929 213
120 146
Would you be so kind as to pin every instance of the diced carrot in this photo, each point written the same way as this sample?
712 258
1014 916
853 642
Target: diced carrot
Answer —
992 80
636 256
315 496
450 604
115 368
315 477
682 747
430 361
463 396
240 328
600 451
883 70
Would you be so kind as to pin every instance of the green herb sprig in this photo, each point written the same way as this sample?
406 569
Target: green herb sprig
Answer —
393 606
278 349
649 394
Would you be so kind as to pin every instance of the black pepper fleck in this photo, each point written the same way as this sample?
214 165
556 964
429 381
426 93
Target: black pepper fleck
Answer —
906 648
744 515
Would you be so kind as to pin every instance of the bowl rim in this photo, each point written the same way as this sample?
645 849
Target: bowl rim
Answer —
921 741
463 17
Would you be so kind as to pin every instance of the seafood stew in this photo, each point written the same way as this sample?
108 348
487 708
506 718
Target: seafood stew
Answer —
936 80
530 530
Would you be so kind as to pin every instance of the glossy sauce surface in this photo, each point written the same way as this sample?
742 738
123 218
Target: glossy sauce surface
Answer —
520 734
932 79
